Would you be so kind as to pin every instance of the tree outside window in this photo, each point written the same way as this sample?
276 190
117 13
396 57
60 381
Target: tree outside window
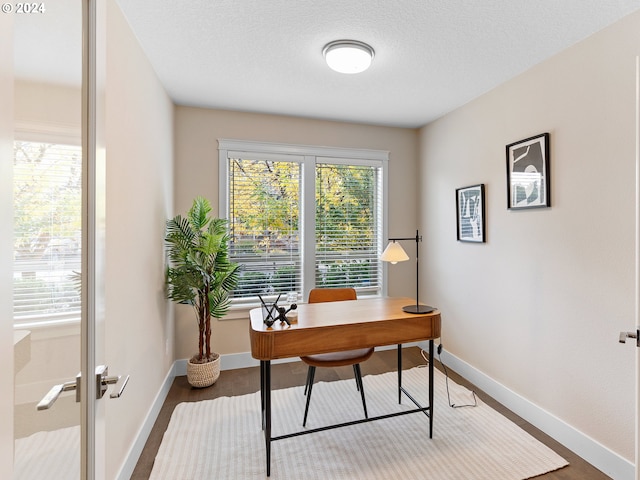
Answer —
270 213
47 230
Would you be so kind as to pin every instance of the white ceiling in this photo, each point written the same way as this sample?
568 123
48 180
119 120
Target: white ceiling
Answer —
432 56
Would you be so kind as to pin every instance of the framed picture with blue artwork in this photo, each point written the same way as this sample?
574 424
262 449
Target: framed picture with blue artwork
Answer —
470 216
528 176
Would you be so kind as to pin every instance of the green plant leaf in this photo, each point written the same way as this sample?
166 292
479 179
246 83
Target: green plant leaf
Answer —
200 272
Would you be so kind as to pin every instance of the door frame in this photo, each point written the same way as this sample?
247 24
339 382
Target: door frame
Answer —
93 440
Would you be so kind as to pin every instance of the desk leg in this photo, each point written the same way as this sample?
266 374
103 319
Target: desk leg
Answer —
265 373
262 368
431 347
399 373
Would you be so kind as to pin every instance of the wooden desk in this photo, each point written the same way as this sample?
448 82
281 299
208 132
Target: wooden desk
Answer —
335 326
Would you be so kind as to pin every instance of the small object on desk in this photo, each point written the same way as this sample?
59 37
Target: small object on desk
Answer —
273 313
268 312
283 314
292 314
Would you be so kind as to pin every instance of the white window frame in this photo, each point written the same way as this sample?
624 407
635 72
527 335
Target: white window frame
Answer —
48 132
308 156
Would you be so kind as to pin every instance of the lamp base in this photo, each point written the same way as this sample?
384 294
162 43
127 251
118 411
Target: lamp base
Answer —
418 309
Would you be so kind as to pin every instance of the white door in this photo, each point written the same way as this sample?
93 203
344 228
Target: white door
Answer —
55 262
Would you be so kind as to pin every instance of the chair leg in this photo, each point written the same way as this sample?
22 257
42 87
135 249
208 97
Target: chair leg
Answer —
358 374
310 375
306 385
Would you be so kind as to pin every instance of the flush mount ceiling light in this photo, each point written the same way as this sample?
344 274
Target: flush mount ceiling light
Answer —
348 56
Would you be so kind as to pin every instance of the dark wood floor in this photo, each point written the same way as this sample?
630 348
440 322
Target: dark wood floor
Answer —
247 380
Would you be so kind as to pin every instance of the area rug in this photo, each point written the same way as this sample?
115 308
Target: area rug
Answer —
222 438
51 455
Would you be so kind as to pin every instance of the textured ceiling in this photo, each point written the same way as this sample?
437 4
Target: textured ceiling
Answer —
432 56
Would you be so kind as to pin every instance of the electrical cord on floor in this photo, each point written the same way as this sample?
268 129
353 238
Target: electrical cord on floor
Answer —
446 380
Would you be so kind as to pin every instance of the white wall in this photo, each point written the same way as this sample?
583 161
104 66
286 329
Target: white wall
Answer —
139 323
197 131
538 308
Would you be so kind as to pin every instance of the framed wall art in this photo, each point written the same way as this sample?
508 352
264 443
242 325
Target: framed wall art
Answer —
528 176
470 213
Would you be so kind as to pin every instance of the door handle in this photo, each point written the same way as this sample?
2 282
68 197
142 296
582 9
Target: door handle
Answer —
53 394
102 379
117 380
625 335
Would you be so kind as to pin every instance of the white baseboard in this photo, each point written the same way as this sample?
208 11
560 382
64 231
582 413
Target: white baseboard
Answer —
145 430
586 447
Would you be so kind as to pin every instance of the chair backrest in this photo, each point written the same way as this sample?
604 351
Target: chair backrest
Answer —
318 295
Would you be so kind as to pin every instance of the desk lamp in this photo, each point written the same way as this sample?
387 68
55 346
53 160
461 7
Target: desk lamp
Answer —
394 253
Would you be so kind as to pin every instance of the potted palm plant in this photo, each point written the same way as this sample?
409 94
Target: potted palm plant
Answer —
200 274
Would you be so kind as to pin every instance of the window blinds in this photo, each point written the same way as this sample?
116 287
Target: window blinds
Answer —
264 213
348 227
267 208
47 231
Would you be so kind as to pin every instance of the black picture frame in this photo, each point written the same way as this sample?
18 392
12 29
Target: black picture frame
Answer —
470 213
528 174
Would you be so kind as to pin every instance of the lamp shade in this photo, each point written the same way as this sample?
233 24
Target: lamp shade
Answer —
394 253
348 56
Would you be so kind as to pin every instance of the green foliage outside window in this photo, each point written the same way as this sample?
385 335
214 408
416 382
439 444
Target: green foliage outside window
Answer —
264 201
47 228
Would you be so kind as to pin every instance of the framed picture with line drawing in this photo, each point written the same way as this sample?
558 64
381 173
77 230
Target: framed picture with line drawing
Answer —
528 179
470 213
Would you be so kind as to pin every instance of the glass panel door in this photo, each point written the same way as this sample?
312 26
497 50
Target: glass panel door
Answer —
47 226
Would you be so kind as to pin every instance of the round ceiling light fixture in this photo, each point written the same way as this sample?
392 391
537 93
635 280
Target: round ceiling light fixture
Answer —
348 56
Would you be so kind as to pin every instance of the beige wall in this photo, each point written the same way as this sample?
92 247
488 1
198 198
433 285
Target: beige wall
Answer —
139 198
57 107
196 173
538 308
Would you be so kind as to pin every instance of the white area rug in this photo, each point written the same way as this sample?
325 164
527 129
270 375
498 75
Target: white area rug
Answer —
222 438
53 455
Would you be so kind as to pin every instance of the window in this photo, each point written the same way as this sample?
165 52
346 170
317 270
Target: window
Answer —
264 199
47 231
303 217
348 227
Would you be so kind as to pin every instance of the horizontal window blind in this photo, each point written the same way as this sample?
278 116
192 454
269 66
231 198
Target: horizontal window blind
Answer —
47 230
348 227
302 217
264 220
